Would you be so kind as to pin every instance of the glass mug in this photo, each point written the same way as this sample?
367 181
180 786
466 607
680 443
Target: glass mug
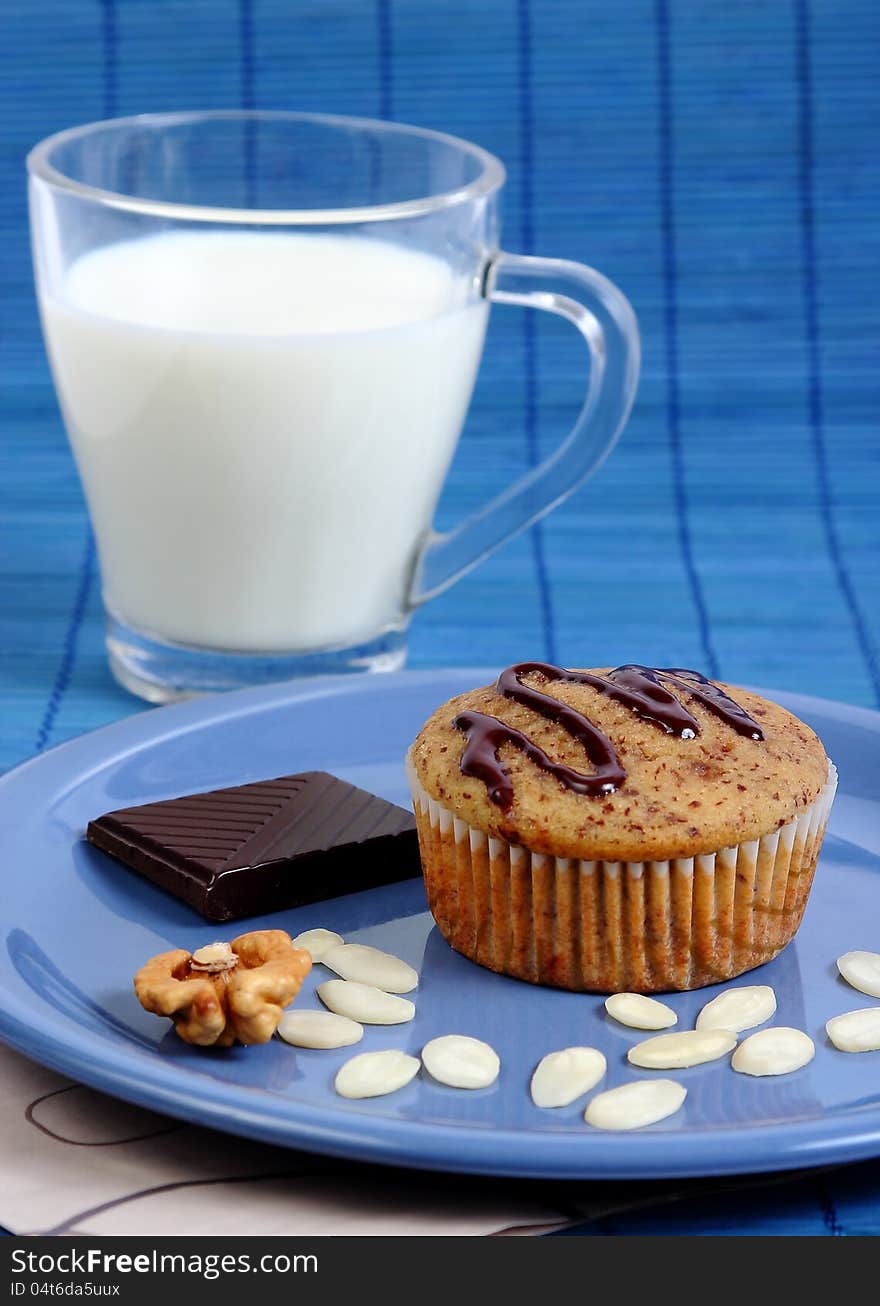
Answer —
264 329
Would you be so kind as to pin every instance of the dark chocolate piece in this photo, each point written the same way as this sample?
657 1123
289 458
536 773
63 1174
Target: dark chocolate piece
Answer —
639 688
263 847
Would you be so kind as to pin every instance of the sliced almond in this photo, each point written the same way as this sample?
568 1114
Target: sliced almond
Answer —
775 1051
632 1106
856 1031
213 958
319 1029
373 1074
365 965
639 1012
364 1003
461 1062
692 1047
862 971
562 1077
318 942
738 1009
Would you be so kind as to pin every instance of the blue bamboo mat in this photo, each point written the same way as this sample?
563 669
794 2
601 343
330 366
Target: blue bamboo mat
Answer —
718 160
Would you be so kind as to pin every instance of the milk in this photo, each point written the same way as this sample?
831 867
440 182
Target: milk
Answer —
262 423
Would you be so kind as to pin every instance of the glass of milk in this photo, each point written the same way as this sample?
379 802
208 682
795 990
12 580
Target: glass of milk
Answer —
264 330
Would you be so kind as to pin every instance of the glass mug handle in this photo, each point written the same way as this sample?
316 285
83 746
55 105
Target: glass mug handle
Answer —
608 324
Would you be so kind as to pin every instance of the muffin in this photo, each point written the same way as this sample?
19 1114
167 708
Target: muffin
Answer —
631 829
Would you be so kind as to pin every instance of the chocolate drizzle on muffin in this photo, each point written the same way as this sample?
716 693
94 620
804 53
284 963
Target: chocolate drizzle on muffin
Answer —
642 689
486 734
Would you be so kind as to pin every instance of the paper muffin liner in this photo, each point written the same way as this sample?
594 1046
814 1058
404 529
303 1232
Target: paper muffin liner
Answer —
610 927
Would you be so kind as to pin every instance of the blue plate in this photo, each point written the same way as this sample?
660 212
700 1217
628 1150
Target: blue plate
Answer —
76 926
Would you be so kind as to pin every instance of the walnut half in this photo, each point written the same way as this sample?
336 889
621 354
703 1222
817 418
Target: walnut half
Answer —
225 992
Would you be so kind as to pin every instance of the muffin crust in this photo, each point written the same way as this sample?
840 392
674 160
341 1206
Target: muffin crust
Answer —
681 797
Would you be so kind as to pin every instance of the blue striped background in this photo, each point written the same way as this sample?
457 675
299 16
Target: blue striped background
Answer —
718 159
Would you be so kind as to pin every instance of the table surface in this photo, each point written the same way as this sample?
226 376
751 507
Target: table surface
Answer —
719 163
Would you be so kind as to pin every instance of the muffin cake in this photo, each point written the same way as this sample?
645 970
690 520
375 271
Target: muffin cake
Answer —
631 829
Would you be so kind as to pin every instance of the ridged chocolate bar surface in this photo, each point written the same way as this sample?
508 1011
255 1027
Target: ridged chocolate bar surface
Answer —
266 846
